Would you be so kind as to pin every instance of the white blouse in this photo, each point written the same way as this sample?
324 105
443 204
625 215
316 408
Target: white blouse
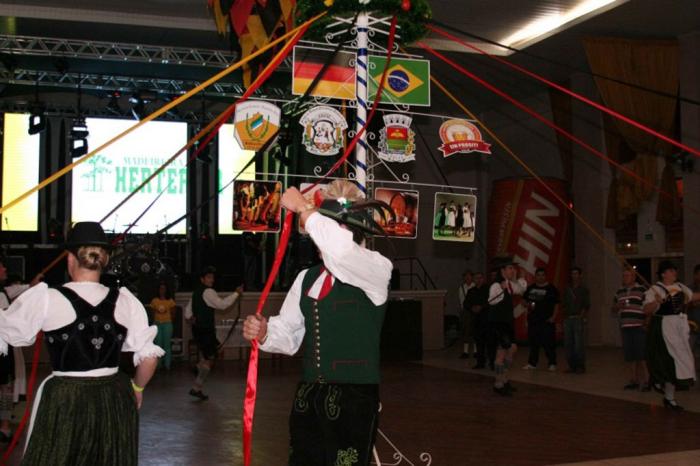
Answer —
347 261
46 309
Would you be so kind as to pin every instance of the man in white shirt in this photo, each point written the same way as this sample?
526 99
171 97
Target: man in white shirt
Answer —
200 311
336 311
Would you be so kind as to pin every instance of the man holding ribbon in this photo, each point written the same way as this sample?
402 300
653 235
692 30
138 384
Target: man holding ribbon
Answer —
336 310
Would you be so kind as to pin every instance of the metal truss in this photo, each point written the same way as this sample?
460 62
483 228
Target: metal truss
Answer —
114 51
124 84
119 52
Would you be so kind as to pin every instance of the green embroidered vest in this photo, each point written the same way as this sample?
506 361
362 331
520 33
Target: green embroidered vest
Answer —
203 314
341 343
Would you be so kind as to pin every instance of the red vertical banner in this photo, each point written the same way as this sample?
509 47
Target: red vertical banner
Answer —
529 223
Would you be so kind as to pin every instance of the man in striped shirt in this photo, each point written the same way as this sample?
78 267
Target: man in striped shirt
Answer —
628 304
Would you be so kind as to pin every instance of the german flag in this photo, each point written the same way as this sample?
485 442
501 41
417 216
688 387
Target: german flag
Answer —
338 81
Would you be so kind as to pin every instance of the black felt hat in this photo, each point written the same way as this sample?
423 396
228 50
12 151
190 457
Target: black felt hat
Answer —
87 234
358 214
665 265
498 262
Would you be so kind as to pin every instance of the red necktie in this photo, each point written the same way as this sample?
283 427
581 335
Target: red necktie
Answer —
510 290
327 285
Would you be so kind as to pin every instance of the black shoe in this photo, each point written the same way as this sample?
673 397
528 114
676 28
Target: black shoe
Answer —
478 366
631 386
503 391
671 404
5 438
644 388
464 356
510 387
199 394
658 388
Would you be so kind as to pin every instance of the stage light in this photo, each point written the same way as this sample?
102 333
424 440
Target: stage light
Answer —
37 120
138 108
78 138
113 104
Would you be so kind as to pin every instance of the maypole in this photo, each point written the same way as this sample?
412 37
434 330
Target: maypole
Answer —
361 70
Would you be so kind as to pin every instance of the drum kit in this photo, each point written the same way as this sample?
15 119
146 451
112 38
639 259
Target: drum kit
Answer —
136 258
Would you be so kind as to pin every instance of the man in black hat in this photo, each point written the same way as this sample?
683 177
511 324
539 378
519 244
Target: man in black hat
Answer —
200 311
336 310
86 411
501 320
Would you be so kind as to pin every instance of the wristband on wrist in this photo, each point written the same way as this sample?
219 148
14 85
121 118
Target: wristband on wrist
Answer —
136 388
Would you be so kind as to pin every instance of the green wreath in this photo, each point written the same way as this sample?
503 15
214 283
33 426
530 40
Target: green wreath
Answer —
411 22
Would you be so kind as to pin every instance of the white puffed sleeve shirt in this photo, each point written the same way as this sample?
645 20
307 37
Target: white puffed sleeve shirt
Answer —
46 309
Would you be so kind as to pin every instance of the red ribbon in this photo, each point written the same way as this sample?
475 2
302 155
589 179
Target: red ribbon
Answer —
546 121
252 378
573 94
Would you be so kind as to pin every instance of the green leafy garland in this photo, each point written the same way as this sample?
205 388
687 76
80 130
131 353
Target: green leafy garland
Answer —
411 22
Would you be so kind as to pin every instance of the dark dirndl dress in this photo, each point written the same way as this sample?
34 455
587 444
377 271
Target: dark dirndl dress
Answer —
662 367
85 421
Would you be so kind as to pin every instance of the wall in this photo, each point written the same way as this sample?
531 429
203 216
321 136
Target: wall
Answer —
690 134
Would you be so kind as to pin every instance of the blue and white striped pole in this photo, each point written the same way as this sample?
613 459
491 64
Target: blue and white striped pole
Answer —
361 94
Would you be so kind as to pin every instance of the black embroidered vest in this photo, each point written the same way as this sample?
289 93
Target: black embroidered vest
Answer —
92 341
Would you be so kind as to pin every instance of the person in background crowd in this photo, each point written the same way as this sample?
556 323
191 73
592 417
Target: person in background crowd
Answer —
163 308
576 303
200 312
694 314
542 298
13 362
466 314
86 411
500 315
628 303
669 358
476 303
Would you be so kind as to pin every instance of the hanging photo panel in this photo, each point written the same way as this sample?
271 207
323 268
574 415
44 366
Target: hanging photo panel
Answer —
256 206
454 217
314 195
405 206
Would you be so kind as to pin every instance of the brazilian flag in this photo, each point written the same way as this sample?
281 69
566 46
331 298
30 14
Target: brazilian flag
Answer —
407 83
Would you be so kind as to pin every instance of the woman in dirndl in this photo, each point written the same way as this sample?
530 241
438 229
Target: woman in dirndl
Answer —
669 358
86 411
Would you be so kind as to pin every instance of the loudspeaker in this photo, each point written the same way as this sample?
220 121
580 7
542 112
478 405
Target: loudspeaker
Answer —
402 332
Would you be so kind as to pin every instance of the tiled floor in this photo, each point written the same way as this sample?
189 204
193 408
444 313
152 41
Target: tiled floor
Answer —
440 407
606 375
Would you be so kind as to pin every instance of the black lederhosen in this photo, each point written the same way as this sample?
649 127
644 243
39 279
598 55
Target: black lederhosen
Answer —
206 340
333 424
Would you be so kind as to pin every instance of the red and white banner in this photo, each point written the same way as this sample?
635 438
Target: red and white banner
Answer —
526 221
